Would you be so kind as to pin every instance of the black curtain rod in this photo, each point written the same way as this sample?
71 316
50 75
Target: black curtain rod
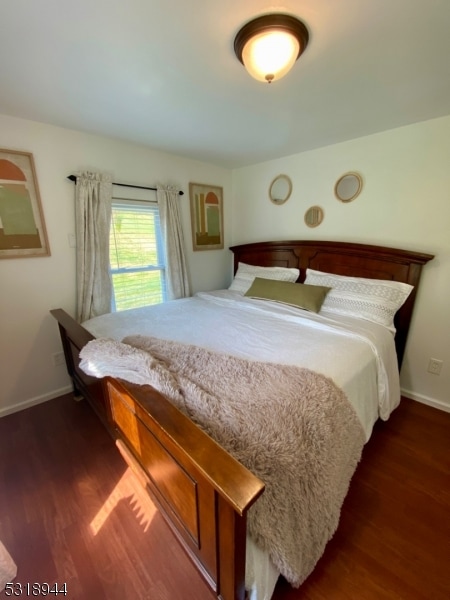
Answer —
139 187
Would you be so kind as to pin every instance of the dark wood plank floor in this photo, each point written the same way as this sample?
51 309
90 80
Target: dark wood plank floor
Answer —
71 511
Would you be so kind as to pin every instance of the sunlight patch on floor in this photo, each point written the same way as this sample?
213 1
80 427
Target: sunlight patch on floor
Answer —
130 490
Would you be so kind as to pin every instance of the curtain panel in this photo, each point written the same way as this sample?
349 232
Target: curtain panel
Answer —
177 280
93 199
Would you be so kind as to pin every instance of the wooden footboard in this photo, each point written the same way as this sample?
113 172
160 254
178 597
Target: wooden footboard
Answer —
203 492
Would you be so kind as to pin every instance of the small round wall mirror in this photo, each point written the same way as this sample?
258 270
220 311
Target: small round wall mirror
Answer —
348 187
314 216
280 189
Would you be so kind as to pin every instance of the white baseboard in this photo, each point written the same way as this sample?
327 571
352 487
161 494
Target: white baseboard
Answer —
426 400
33 401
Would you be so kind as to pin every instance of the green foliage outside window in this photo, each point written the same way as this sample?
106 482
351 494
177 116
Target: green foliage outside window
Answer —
136 256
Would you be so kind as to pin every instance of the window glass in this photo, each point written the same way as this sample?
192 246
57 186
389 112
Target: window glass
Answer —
136 255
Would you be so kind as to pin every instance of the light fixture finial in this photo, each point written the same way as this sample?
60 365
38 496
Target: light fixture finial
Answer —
269 46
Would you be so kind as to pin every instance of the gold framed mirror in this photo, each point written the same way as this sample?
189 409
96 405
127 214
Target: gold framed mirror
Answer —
280 189
314 216
348 187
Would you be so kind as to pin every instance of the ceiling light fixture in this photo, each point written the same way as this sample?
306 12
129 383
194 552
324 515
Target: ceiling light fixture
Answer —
269 46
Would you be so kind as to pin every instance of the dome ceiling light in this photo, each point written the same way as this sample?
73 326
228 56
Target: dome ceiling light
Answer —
269 46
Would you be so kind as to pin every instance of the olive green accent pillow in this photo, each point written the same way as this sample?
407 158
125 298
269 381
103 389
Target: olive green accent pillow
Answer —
308 297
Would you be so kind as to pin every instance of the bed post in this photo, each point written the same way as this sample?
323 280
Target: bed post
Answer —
231 541
73 338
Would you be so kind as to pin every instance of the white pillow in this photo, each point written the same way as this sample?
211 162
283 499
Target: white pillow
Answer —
245 275
375 300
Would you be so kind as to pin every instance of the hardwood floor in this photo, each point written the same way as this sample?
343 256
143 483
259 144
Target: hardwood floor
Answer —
71 511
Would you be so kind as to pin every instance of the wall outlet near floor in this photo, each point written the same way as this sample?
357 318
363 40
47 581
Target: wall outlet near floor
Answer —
435 366
58 359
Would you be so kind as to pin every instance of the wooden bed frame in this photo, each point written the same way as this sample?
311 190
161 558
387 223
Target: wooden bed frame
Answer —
203 492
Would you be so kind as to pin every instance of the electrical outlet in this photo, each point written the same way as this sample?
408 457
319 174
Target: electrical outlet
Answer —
58 359
435 366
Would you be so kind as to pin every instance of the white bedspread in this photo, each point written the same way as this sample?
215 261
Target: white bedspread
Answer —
358 355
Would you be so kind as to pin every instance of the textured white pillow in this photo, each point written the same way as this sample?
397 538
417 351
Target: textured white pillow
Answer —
245 275
375 300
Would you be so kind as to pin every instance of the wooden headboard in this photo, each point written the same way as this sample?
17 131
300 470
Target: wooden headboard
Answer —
342 258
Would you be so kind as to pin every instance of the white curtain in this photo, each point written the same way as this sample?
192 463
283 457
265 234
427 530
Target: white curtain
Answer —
93 197
176 271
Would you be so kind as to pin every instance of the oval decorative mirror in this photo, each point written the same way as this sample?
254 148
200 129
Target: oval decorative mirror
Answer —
280 189
314 216
348 187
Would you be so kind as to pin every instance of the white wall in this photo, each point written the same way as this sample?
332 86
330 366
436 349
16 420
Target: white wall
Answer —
405 203
30 287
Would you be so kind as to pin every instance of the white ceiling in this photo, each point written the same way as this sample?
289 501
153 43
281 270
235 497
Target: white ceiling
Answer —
163 72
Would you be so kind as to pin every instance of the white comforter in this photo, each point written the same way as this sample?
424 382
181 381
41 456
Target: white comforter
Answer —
358 355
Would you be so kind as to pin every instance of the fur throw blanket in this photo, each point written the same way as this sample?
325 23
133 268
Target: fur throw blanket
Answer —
293 428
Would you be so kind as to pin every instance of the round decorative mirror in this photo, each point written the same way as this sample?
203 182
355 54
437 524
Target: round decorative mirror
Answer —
348 187
280 189
314 216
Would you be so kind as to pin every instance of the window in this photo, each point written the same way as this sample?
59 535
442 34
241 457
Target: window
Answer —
137 258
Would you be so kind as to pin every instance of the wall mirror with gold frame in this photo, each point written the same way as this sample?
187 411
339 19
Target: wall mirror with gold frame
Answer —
348 187
314 216
280 189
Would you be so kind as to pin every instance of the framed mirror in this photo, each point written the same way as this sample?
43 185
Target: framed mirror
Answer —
314 216
348 187
280 189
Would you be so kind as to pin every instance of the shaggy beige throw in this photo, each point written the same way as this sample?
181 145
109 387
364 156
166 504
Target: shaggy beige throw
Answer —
293 428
